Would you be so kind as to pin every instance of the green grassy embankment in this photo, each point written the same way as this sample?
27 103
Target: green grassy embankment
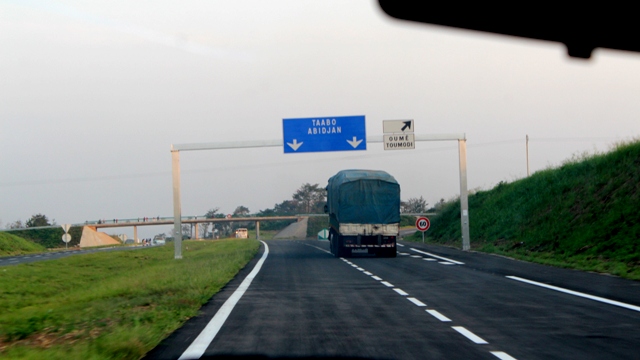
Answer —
114 305
582 215
15 245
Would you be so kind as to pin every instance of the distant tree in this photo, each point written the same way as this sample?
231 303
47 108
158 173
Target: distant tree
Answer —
15 225
241 211
38 220
414 205
287 207
213 213
310 197
439 205
204 229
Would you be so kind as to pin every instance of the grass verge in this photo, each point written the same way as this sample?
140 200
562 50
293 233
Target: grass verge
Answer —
113 305
15 245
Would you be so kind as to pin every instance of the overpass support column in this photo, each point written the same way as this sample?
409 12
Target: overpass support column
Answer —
196 234
135 234
464 195
257 230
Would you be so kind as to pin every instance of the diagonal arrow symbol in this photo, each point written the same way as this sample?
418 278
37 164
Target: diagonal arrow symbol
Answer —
355 142
407 124
295 145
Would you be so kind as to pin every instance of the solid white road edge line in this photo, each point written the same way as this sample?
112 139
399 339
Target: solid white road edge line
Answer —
436 256
502 355
438 315
200 344
469 335
576 293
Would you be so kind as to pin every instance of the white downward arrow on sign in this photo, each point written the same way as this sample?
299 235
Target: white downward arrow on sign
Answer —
354 142
296 144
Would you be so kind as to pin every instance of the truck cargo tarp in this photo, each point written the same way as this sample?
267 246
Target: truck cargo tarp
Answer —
364 197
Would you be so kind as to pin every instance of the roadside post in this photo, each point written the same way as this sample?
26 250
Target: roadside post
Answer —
66 237
422 224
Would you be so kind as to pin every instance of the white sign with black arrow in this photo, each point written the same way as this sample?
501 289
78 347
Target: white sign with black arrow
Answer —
398 134
397 126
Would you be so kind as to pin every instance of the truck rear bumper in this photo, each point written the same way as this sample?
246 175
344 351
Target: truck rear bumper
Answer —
369 246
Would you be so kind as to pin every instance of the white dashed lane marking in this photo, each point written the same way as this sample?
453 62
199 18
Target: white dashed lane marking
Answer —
502 355
416 301
469 335
460 329
438 315
400 291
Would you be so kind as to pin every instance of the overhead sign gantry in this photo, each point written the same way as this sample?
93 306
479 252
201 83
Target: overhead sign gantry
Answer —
307 135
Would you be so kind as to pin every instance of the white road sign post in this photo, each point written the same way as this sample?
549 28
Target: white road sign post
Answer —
66 237
422 224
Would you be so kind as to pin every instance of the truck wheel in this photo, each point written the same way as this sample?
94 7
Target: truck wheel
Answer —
333 243
339 251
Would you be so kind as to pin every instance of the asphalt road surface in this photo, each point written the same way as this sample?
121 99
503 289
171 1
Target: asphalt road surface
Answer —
428 303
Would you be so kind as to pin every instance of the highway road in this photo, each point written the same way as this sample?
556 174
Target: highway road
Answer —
23 259
296 300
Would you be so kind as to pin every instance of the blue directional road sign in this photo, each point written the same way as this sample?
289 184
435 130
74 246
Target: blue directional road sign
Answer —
338 133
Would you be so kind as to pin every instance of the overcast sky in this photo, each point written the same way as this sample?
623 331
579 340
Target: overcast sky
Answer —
93 94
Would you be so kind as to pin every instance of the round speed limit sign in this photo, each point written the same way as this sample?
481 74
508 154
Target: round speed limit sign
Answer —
422 224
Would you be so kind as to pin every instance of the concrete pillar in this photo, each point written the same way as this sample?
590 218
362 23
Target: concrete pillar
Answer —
464 196
257 230
177 207
135 234
196 237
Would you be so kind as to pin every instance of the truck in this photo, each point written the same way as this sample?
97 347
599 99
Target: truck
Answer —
364 213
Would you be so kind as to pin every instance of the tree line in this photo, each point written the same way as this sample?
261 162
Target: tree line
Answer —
307 199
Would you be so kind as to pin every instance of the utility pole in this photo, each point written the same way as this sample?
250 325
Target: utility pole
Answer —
528 173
